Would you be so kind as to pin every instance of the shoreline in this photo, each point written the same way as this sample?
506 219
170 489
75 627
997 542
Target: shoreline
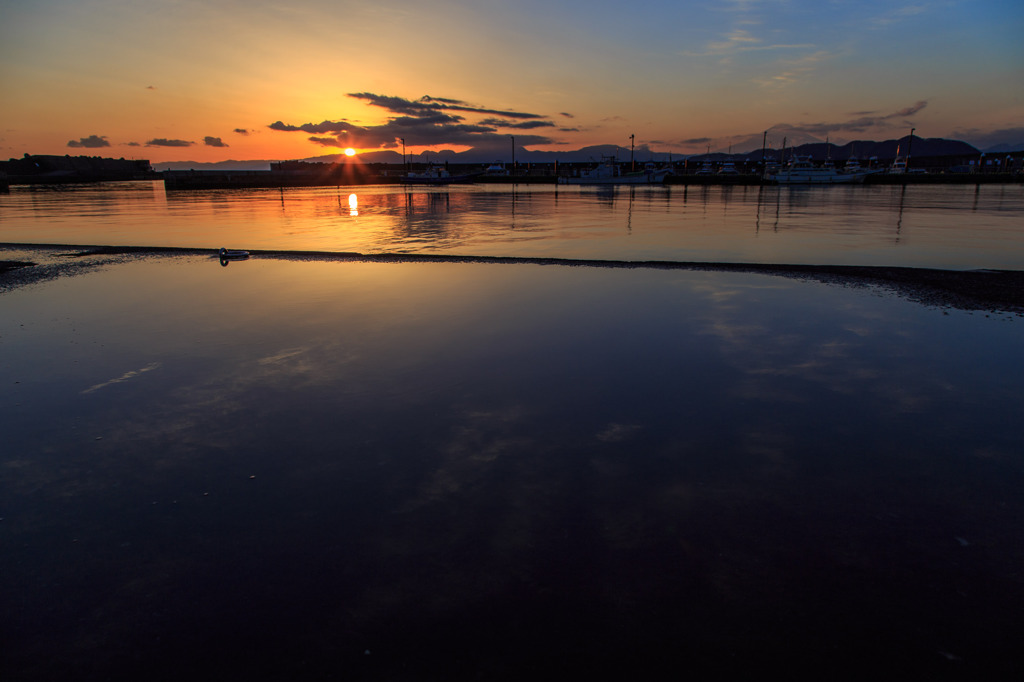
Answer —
981 290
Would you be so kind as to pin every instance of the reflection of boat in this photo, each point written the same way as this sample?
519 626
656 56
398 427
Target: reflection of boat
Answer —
437 175
609 173
800 171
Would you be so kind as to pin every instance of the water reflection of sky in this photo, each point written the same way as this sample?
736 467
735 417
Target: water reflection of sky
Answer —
949 226
468 469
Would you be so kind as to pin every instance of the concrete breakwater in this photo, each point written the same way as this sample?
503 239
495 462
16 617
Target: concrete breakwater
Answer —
200 180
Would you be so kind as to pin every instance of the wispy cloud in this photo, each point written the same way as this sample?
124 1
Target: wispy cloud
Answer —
124 377
91 142
899 14
794 70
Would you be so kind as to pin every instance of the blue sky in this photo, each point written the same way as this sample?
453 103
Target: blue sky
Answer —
207 79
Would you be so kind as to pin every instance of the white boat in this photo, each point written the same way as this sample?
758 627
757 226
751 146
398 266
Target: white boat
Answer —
728 168
800 171
899 167
609 173
706 168
437 175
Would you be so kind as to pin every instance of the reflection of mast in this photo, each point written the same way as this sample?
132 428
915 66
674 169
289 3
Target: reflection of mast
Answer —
629 210
513 159
899 217
757 216
513 206
778 208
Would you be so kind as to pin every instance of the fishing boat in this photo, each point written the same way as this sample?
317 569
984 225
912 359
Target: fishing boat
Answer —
706 169
609 173
801 171
728 168
437 175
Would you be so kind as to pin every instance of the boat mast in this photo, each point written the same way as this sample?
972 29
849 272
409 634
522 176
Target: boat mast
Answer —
632 164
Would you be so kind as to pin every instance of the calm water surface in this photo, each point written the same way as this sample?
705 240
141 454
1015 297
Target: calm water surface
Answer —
956 226
282 470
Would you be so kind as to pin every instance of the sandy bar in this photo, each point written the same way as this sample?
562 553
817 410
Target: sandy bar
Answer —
989 290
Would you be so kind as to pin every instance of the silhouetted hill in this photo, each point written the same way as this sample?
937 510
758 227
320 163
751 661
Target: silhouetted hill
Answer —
256 164
862 149
1004 148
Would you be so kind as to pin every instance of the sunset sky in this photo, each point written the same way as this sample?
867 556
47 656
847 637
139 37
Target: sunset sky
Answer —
211 80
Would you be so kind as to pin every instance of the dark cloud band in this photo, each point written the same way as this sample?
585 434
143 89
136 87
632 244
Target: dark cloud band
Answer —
91 142
164 142
428 121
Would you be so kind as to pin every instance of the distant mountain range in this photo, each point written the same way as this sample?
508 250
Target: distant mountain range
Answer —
818 150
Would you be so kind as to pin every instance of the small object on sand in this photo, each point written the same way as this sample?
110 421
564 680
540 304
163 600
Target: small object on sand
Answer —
231 253
253 476
227 255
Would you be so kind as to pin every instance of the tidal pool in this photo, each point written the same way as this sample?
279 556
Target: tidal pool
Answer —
472 471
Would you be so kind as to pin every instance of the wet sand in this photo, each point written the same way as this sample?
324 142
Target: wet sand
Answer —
980 290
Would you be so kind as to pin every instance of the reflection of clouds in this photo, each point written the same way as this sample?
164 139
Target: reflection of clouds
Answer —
733 333
614 433
472 451
790 353
214 409
124 377
280 357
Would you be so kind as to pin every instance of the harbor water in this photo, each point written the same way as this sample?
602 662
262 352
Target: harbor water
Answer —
954 227
340 469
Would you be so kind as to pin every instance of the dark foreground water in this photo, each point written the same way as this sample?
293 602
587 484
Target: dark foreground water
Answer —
371 471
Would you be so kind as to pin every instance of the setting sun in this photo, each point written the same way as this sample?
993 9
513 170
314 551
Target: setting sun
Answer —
350 152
